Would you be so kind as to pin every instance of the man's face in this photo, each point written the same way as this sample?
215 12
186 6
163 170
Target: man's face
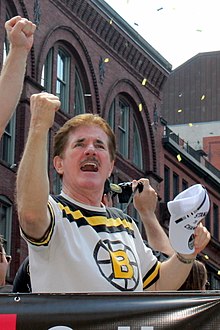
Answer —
86 160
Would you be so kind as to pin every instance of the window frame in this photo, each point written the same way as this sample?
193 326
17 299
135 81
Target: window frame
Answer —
6 232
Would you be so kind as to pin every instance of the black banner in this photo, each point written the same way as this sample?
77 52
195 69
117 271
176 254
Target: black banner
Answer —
127 311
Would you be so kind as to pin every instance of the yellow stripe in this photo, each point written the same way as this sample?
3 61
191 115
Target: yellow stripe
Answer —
97 220
153 275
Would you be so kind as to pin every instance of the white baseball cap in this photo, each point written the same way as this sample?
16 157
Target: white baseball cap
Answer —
187 210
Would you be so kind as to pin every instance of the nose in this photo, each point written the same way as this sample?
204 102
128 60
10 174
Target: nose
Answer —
90 149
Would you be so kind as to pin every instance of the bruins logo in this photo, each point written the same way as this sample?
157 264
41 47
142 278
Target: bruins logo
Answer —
191 242
117 263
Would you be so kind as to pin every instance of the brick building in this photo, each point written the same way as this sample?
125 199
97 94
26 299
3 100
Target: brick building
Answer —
191 103
95 62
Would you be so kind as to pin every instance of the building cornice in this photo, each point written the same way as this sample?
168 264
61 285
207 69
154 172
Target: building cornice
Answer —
108 28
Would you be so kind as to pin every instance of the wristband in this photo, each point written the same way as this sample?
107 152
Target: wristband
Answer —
184 260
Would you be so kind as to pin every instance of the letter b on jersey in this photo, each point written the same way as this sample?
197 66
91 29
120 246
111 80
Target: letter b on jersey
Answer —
121 265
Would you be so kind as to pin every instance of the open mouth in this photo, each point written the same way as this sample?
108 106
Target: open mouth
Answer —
89 167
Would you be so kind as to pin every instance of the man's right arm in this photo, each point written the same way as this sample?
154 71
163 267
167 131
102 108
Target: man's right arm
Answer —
32 178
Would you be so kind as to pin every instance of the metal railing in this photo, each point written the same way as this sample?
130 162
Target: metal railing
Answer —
169 134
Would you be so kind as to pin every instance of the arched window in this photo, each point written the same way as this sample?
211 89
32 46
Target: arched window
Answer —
68 84
121 118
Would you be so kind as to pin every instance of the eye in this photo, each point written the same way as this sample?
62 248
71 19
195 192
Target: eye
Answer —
78 144
100 146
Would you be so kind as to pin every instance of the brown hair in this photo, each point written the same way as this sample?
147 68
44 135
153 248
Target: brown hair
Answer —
197 277
86 119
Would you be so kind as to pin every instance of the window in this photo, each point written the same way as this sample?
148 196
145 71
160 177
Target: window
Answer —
175 185
7 143
137 152
63 75
166 184
46 76
207 221
216 222
123 127
79 106
215 283
111 116
5 221
184 185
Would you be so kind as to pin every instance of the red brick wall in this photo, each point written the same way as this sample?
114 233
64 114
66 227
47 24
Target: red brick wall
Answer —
211 146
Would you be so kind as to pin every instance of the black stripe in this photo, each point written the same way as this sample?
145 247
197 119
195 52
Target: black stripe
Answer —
149 273
110 213
188 215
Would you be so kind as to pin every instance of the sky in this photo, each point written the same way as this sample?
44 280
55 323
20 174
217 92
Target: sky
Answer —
177 29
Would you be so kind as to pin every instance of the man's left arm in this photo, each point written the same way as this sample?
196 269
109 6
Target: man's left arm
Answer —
175 270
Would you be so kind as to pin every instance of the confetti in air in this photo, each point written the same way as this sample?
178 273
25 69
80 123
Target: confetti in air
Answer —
202 97
144 81
198 30
179 158
106 60
190 125
111 21
140 107
206 257
179 110
218 272
159 8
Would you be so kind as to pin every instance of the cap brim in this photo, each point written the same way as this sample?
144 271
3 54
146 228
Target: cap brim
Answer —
183 223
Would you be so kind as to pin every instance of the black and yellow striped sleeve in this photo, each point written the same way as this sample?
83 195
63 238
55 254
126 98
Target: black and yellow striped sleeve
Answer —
43 241
152 275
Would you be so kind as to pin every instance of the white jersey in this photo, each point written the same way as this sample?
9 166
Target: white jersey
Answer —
90 249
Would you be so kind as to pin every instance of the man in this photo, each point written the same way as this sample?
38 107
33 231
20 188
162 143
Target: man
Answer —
20 33
76 244
156 235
